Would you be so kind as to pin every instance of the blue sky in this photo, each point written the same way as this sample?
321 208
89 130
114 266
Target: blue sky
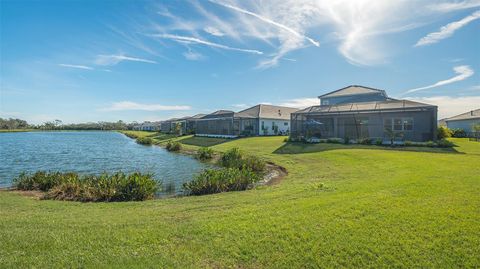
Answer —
84 61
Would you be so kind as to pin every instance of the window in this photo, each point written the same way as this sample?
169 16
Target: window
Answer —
397 124
325 102
285 123
273 125
263 125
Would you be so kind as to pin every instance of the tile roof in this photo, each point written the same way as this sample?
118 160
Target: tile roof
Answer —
474 114
365 106
267 112
353 90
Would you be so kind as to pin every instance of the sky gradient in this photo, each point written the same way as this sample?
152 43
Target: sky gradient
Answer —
81 61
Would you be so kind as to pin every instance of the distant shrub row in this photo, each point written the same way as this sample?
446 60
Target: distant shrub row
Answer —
239 172
90 188
441 143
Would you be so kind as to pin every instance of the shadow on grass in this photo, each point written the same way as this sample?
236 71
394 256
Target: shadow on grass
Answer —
162 136
299 147
204 141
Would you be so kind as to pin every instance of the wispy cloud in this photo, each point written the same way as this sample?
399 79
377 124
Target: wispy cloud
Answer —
115 59
456 5
449 106
128 105
76 66
189 40
193 56
267 20
447 30
463 71
213 31
301 102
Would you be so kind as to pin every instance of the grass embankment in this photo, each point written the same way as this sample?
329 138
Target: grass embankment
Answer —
338 207
16 130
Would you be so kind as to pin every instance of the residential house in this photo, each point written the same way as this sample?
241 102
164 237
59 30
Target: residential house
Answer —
147 126
356 112
257 120
465 121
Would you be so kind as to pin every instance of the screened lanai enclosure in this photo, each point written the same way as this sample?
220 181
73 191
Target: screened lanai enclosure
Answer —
405 120
225 123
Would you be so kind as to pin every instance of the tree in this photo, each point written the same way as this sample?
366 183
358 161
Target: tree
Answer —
392 135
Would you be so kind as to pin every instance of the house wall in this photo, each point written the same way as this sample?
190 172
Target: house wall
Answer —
365 125
463 124
352 99
283 126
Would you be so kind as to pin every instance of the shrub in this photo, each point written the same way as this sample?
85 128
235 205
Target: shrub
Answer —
231 158
204 153
173 146
459 133
346 140
443 132
444 143
409 143
334 140
144 141
105 187
430 144
234 158
365 141
378 142
221 180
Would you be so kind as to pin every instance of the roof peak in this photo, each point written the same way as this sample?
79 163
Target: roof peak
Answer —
353 90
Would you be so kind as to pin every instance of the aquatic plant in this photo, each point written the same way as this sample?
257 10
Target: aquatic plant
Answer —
204 153
221 180
90 188
173 146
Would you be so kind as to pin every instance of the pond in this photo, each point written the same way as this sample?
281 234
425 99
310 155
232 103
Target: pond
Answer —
90 153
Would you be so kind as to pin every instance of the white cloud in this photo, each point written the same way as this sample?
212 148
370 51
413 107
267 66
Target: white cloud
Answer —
267 20
463 71
127 105
115 59
193 56
76 66
213 31
447 30
357 28
449 106
301 102
189 40
453 6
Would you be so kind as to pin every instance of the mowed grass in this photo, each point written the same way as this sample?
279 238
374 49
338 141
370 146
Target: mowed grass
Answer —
346 207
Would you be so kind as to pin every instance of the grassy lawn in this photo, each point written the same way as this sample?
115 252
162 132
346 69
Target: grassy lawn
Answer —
342 206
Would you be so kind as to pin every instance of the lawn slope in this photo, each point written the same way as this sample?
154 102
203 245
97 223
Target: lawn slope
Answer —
338 207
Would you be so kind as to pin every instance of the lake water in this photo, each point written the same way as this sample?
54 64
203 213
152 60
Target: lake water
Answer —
89 153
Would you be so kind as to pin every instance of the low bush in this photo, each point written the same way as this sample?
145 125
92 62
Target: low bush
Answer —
443 132
90 188
444 143
221 180
378 142
231 158
173 146
234 158
334 140
144 141
459 133
204 153
365 141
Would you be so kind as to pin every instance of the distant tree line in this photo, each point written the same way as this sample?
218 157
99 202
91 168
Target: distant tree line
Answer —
10 124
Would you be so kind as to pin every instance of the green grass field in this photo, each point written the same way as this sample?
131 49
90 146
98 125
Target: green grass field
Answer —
340 206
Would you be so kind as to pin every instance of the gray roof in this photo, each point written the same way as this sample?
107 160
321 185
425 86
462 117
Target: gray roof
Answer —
353 90
219 114
390 104
266 112
474 114
197 116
